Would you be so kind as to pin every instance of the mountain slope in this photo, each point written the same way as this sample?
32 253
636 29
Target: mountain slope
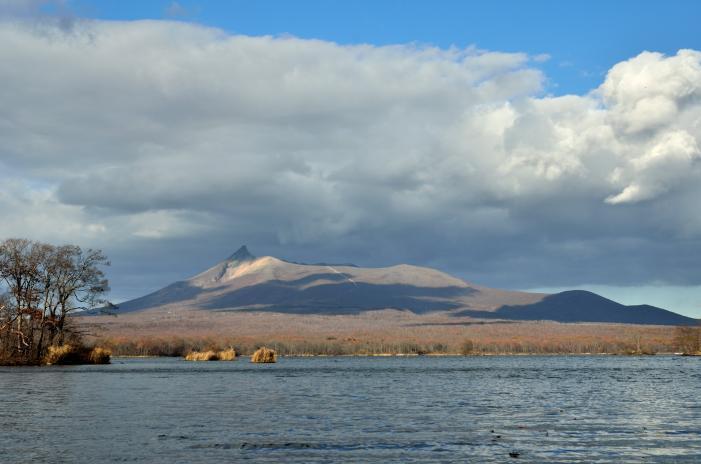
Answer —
243 282
583 306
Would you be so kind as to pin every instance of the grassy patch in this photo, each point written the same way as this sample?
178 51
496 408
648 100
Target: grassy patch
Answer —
264 355
71 354
210 355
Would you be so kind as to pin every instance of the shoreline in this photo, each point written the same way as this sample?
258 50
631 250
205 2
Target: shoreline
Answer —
395 355
435 355
383 333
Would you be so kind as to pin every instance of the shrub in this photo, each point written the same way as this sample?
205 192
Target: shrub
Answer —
688 339
64 354
467 347
227 355
71 354
99 356
264 355
202 356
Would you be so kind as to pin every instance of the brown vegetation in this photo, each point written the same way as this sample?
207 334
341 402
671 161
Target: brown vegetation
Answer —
467 347
688 340
176 333
202 356
76 354
360 347
264 355
99 356
224 355
227 355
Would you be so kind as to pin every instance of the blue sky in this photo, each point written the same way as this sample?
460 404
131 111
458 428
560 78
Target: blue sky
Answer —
583 39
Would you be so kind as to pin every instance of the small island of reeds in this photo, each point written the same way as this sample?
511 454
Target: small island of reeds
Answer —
210 355
71 354
264 355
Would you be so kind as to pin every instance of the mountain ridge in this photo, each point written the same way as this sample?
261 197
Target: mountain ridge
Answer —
244 282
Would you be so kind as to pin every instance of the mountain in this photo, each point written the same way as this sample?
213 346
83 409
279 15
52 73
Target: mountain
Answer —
244 282
583 306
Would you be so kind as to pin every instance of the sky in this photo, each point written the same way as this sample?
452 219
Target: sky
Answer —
527 145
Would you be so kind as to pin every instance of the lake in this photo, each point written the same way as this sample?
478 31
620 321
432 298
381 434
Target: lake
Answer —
355 409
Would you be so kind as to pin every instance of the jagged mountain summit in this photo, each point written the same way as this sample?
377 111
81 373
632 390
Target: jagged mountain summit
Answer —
241 256
244 282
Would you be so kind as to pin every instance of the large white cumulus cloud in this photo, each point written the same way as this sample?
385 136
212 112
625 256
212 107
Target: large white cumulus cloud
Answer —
126 132
653 104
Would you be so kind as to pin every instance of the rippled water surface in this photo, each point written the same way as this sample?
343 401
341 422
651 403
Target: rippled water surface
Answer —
422 409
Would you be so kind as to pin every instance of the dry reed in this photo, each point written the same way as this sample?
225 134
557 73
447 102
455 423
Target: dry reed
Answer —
202 356
99 356
64 354
227 355
264 355
75 354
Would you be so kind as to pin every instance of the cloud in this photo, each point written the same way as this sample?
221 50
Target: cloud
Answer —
35 209
671 157
175 136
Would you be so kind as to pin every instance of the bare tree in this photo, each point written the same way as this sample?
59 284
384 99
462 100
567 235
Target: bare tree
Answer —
44 284
79 283
20 261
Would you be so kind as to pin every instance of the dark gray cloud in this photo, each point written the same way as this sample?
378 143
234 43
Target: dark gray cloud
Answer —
169 144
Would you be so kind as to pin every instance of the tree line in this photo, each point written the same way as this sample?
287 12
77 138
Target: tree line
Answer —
688 339
41 285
